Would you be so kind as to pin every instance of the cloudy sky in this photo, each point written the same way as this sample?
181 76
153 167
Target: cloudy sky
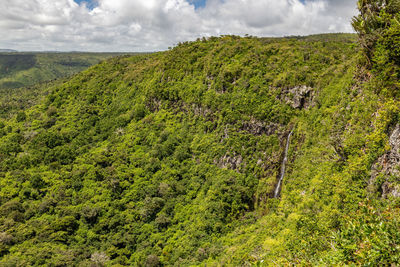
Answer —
149 25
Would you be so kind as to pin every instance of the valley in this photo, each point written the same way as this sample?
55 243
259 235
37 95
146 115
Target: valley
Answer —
223 151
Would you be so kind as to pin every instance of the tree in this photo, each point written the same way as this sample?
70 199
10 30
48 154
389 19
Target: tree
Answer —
375 18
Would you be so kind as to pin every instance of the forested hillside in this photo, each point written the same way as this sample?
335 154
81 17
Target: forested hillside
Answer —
173 158
18 69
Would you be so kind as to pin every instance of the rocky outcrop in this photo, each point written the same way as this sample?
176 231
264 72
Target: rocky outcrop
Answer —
390 189
298 97
388 168
257 128
232 162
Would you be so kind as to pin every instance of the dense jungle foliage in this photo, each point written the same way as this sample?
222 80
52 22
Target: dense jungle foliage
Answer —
172 158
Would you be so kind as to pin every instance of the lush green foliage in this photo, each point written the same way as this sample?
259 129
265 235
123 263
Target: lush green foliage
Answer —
160 159
28 69
25 77
378 27
172 159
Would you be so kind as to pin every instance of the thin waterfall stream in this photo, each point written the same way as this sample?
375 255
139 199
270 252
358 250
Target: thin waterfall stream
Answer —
283 167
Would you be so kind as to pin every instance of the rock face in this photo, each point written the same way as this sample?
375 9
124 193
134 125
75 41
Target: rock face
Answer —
232 162
259 128
298 97
388 166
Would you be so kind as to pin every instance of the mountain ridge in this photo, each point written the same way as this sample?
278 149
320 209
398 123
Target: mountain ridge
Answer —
135 149
224 151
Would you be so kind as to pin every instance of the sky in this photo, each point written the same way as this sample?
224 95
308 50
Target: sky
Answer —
153 25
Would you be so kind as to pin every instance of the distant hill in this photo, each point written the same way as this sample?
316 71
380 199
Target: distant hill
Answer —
27 69
7 50
325 37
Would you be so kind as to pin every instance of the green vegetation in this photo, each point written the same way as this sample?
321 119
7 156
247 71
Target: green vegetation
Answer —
161 157
28 69
172 158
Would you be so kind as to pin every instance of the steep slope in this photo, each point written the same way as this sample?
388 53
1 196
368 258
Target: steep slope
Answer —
173 158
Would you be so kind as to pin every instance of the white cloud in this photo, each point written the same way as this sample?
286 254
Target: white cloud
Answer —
147 25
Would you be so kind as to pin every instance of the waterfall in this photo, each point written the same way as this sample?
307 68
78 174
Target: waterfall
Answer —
283 167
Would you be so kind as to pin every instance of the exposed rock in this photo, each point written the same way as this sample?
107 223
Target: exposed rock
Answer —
154 104
120 131
259 128
230 162
388 165
99 258
6 239
226 134
297 97
201 111
390 189
29 135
